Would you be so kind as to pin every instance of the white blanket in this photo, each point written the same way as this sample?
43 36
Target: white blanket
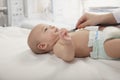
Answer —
17 62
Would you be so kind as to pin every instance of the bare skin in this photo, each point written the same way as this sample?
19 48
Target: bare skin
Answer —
80 39
66 45
89 19
112 48
80 46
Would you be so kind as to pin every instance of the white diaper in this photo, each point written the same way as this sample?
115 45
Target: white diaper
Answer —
97 39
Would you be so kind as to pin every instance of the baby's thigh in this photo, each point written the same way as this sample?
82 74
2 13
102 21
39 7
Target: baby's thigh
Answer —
112 48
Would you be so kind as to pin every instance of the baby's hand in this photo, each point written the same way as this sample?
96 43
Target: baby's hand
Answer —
64 34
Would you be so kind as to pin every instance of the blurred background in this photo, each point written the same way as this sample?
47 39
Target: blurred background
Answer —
16 12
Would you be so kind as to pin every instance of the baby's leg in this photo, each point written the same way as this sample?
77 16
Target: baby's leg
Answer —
112 48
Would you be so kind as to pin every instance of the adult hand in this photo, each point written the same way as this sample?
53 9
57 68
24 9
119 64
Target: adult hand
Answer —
89 19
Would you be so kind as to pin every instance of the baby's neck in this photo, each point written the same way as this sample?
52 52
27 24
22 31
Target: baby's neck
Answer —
51 46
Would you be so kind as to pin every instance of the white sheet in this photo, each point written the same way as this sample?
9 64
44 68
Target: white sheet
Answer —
17 62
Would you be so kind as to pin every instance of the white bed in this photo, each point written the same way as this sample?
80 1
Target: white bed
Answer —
17 62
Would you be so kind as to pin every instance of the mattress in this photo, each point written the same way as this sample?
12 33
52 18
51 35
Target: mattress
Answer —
18 62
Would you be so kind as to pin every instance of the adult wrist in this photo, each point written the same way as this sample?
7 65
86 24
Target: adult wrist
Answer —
107 19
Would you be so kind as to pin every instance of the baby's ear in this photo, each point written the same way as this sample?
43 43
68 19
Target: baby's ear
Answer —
42 46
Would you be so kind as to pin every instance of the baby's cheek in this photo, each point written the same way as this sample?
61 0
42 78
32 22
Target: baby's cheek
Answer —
52 37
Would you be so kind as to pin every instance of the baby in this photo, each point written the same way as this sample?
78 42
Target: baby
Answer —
104 44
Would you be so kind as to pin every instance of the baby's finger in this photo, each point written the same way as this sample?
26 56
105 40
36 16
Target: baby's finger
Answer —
64 35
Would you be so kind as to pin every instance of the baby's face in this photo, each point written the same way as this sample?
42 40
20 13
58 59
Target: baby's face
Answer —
48 33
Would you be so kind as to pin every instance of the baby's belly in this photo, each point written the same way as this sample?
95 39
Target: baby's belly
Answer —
80 40
83 52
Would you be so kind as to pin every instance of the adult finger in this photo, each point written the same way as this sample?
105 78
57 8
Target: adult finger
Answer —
81 20
84 24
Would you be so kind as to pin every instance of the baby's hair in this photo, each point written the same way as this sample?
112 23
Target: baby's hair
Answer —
33 42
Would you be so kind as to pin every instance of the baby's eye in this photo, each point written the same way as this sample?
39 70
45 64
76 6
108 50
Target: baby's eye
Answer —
45 29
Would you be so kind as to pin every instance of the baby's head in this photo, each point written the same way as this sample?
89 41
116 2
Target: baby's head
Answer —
42 38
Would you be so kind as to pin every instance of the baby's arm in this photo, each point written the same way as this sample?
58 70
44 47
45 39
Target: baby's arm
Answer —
64 49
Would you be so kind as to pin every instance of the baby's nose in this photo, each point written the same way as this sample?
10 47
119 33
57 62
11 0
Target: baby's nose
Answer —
52 27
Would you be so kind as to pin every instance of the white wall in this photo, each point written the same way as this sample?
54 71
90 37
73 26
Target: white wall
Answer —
38 9
64 11
67 11
101 3
61 11
101 6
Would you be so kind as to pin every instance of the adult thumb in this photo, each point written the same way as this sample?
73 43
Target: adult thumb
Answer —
83 25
